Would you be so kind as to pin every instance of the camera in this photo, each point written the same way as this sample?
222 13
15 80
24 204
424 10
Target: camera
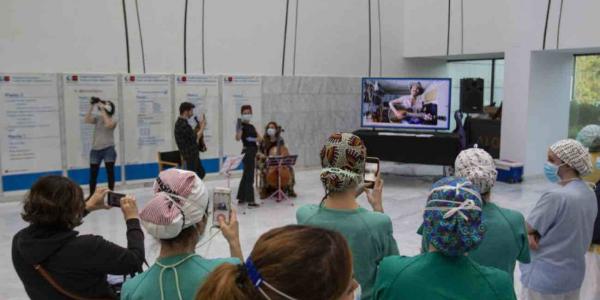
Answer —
96 100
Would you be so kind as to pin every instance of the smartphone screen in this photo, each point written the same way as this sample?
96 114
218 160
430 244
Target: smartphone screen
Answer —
114 199
371 169
221 204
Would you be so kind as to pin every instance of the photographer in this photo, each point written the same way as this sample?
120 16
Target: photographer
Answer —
53 261
103 145
188 139
369 233
177 217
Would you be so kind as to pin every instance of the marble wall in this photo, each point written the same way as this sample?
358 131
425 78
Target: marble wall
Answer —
310 109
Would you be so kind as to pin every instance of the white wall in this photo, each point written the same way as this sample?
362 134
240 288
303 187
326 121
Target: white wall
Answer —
324 38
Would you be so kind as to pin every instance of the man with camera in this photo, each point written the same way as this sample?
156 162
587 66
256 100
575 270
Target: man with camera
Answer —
190 141
103 143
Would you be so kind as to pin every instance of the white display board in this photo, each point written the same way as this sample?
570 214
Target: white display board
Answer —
147 118
238 91
203 92
29 121
77 92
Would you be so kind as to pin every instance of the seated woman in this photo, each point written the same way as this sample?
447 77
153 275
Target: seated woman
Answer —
273 144
369 233
177 216
53 261
291 262
506 236
452 227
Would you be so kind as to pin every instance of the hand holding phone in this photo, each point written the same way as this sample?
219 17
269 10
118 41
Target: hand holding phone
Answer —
371 171
221 205
238 125
114 199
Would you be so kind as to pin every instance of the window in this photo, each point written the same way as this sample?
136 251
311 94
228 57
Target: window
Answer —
492 72
585 100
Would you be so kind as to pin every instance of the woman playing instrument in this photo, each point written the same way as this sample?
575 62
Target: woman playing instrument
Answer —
274 145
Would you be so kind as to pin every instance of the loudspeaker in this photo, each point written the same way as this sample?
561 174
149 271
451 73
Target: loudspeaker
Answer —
471 95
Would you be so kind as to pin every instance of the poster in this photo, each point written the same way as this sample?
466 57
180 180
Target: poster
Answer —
203 92
29 124
77 92
148 120
238 91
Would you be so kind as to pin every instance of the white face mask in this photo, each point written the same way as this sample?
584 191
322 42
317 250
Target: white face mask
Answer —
271 131
246 117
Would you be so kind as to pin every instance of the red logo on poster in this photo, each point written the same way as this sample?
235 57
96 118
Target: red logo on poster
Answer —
75 77
183 78
132 78
6 78
230 79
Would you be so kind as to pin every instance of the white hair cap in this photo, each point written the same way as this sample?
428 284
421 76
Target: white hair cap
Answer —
477 166
574 154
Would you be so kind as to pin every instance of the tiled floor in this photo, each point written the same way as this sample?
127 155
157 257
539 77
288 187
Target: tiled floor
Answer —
404 198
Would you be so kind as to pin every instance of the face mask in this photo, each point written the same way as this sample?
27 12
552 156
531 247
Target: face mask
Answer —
271 131
551 172
598 163
358 293
246 118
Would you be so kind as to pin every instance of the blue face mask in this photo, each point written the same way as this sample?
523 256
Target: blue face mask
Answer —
598 163
551 172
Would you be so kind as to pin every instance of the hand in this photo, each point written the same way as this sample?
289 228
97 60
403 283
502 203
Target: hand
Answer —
375 197
534 240
231 230
96 201
129 207
203 121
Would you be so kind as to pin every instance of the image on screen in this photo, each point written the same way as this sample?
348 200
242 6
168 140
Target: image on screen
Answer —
409 103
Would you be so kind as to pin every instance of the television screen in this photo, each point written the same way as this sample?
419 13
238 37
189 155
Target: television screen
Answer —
407 103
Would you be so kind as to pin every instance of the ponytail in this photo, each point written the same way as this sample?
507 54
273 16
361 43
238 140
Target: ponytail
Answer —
225 283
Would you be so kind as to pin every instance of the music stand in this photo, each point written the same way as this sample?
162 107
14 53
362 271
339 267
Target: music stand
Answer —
231 163
280 161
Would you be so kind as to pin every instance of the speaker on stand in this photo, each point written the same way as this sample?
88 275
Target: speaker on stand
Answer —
471 95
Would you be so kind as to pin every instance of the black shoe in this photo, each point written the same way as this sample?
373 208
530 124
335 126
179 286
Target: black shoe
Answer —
253 204
240 202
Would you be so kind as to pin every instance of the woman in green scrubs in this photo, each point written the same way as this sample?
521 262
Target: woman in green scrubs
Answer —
452 226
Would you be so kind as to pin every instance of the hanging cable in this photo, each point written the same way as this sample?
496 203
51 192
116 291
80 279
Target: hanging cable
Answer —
137 9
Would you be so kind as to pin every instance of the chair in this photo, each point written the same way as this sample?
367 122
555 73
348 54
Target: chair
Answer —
169 159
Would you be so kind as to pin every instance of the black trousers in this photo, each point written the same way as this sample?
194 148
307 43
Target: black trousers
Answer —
246 188
194 164
110 176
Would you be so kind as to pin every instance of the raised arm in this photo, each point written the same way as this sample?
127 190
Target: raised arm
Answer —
89 119
108 121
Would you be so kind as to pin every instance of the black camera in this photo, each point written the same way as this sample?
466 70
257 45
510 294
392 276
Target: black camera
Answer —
96 100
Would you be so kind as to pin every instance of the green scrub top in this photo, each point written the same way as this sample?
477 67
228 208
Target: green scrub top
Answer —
369 235
191 273
505 240
432 276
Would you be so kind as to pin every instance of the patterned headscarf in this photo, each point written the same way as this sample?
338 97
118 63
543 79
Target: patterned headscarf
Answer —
589 136
452 218
574 154
343 162
477 166
180 201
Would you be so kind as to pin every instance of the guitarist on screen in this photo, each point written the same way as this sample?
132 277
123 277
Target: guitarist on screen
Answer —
410 106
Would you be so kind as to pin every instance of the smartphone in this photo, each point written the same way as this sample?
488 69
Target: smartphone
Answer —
221 204
371 170
238 124
114 199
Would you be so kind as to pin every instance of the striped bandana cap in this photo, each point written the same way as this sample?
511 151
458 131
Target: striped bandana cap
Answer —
180 201
343 161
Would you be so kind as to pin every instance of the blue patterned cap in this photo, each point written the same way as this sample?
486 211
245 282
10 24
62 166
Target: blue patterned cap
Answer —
452 220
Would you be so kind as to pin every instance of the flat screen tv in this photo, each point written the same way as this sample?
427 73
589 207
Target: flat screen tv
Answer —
406 103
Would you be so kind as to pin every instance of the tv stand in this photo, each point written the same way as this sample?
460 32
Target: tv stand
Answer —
429 148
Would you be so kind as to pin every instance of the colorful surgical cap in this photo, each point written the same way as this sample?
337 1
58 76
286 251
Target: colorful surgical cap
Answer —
574 154
452 221
477 166
343 162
